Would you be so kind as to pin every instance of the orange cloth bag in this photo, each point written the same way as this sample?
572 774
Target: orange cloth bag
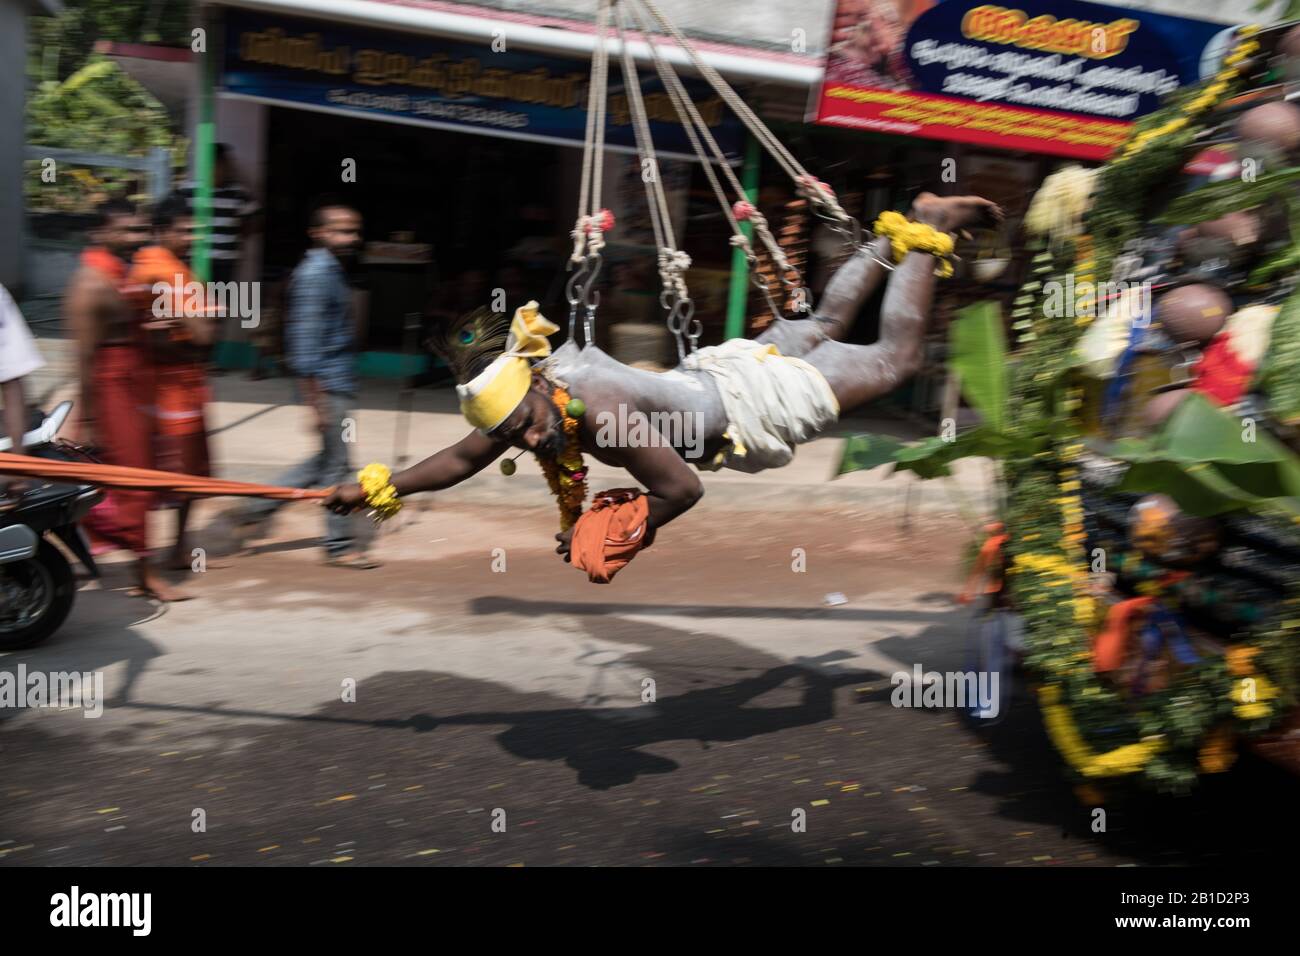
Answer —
611 533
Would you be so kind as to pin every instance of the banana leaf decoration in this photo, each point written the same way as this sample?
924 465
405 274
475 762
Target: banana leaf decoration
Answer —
1211 463
977 351
1279 373
1218 199
1203 457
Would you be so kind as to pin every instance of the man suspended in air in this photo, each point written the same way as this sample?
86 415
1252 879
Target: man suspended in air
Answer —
755 400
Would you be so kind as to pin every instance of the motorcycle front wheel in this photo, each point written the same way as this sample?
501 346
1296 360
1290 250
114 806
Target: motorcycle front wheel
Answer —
35 597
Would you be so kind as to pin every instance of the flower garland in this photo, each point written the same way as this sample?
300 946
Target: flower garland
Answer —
566 472
906 236
1166 737
381 495
1154 152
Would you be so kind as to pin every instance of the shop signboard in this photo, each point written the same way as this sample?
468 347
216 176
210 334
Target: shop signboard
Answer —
438 82
1064 77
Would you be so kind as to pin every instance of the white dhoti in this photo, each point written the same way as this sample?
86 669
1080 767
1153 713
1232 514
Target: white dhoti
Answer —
773 402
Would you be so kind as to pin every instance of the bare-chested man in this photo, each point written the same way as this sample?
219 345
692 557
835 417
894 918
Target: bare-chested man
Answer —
115 410
753 405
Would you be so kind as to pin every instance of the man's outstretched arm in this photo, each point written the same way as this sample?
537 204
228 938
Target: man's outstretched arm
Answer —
440 470
450 466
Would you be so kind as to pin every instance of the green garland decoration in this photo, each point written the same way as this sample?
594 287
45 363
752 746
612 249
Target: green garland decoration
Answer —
1165 737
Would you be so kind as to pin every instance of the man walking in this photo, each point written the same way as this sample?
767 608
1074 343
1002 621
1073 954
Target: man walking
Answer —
321 352
115 409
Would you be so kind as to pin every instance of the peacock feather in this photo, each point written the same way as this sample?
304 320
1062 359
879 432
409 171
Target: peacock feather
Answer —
471 341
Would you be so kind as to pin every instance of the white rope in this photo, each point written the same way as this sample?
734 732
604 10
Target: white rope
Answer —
692 121
587 238
673 262
808 185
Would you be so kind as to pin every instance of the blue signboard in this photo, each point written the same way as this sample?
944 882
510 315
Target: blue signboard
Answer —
1073 56
436 82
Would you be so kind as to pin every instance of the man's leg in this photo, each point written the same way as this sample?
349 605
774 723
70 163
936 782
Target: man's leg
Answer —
307 474
851 286
858 374
340 530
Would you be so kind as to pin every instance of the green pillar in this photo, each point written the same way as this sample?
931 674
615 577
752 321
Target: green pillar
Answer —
204 140
738 294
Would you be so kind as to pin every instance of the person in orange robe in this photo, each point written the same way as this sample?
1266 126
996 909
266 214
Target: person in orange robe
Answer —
181 328
114 410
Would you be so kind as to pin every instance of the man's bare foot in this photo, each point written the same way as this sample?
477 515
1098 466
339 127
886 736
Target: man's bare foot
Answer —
152 585
951 213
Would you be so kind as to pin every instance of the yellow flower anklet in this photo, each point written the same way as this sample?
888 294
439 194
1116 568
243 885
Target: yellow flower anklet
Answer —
906 236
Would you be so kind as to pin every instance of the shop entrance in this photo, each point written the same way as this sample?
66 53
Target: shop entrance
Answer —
449 216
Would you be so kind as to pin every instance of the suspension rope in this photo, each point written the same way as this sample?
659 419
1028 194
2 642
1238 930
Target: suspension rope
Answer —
673 262
590 224
697 130
809 186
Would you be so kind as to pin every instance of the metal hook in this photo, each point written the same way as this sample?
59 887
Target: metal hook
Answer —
573 285
590 294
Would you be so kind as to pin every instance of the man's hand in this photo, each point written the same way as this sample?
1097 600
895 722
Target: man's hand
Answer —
345 499
566 540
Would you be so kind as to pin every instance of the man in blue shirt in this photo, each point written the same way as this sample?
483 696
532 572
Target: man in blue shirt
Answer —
321 350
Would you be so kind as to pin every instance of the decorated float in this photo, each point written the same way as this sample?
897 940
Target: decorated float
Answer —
1144 418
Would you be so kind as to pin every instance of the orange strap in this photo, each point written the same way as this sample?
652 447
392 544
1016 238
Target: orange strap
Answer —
1109 646
145 479
610 533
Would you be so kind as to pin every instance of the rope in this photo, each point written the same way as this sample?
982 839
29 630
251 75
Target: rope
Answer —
695 124
587 238
811 187
673 262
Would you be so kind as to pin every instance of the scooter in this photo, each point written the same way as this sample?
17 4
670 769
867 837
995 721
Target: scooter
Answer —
36 580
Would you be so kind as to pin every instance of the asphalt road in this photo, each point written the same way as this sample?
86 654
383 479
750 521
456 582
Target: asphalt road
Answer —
498 715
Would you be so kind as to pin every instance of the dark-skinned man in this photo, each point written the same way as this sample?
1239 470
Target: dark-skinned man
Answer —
754 400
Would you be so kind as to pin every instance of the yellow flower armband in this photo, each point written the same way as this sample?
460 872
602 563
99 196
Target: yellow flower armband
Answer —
906 236
376 481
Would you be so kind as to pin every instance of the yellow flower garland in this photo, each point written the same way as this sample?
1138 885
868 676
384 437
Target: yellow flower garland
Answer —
907 236
566 473
1205 100
376 481
1130 758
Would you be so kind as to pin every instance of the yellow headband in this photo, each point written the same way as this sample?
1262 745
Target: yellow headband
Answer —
488 399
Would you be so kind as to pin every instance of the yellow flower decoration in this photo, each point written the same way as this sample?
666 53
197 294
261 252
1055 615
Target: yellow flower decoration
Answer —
376 481
1250 694
1130 758
907 236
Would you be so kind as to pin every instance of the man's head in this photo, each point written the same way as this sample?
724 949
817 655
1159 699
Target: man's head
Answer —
173 225
336 227
536 424
500 392
120 228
